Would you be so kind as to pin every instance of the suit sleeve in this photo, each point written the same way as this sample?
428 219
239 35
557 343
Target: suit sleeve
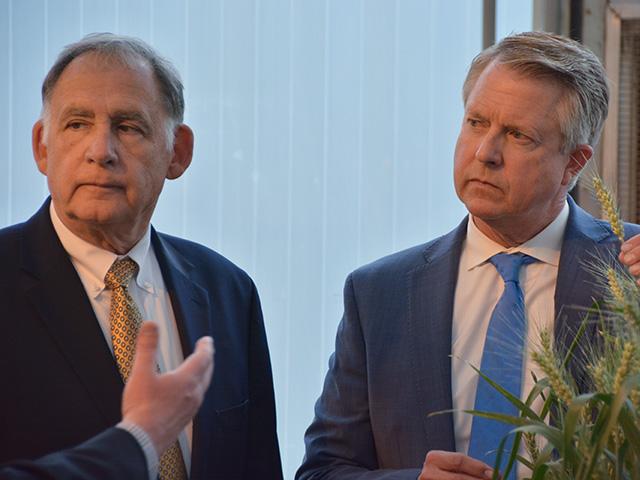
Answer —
264 453
340 442
112 455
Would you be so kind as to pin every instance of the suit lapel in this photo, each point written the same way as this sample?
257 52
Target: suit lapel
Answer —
577 287
190 303
431 293
54 289
189 300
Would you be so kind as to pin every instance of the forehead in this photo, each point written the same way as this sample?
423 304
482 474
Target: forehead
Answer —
97 80
502 90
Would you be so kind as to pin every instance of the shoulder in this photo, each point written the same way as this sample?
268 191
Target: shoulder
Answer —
394 264
583 224
202 260
631 229
397 265
10 236
10 241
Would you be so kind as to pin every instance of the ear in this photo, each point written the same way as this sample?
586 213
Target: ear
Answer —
182 152
578 159
39 146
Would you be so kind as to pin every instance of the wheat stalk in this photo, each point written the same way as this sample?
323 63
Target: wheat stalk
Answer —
609 207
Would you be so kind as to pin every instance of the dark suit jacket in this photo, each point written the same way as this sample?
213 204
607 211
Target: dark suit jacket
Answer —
111 455
392 364
60 382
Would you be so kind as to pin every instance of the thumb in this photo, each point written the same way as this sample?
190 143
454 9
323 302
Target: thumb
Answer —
146 346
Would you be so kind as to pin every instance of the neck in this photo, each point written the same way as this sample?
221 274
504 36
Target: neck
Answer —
510 232
118 242
116 238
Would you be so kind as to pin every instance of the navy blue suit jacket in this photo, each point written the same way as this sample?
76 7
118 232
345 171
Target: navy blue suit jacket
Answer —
392 364
61 385
112 455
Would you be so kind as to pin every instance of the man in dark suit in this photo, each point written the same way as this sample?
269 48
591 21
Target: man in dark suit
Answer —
79 276
160 404
534 109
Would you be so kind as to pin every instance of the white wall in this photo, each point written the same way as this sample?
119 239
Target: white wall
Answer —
324 139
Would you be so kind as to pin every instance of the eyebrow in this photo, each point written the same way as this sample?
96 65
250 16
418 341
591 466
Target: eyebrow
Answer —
476 115
76 112
527 130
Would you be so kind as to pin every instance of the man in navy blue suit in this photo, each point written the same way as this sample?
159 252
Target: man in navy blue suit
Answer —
79 275
535 105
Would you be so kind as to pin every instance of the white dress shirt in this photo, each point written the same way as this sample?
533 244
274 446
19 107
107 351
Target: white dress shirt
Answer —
477 292
148 291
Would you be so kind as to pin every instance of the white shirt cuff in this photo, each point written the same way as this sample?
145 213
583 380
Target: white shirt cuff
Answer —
146 444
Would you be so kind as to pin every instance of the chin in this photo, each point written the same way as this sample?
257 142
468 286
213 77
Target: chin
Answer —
94 215
484 209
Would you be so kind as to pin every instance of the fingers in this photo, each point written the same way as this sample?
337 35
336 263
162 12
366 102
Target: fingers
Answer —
441 465
631 243
630 255
199 365
163 404
146 346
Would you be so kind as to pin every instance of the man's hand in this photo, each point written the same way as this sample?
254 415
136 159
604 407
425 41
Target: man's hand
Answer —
630 255
163 404
441 465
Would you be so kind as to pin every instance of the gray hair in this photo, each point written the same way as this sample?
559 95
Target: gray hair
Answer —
561 60
127 50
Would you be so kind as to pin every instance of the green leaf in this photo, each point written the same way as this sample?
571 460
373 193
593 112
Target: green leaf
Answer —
540 472
611 421
629 424
568 451
522 407
552 434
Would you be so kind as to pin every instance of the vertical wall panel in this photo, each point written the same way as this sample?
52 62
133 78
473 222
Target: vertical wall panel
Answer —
200 182
168 35
445 103
513 16
273 133
6 114
98 15
377 166
411 114
135 18
342 152
28 54
62 27
307 177
238 131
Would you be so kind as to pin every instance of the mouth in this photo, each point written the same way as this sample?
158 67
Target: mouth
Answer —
102 186
475 181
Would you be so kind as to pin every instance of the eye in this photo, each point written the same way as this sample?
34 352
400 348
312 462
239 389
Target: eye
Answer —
129 129
520 137
473 122
75 125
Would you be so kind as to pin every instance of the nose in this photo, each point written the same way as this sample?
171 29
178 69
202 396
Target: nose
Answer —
101 148
489 149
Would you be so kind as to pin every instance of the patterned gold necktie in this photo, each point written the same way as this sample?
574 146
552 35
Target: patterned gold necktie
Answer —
125 320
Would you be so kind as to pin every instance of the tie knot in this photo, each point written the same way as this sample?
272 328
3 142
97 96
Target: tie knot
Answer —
509 264
120 273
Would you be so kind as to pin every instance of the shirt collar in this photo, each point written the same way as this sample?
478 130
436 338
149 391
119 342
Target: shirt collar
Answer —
96 261
545 246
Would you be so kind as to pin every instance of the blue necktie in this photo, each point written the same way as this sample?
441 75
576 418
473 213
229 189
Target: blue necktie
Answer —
502 362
